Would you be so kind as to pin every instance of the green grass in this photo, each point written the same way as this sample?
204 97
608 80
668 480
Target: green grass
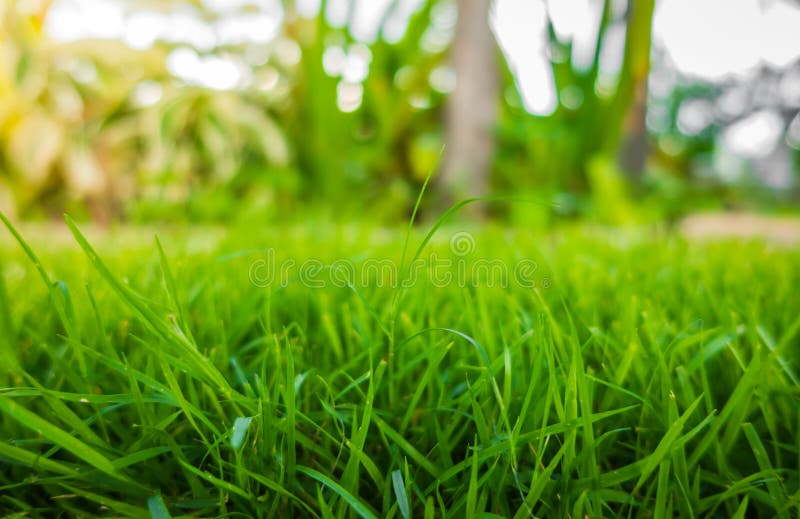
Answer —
643 376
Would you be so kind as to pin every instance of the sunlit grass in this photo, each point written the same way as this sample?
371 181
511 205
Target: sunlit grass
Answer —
642 376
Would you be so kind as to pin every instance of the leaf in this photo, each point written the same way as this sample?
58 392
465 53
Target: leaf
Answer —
35 460
158 510
59 437
240 426
400 493
666 443
762 458
710 350
356 504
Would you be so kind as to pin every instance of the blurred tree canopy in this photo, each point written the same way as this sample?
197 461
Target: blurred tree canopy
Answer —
319 117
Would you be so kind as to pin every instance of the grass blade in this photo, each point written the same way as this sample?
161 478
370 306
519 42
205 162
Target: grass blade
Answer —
361 508
62 439
399 488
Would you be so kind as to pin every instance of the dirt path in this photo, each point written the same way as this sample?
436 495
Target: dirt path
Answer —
778 229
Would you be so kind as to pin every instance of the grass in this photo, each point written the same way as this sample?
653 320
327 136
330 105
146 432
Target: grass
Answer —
642 376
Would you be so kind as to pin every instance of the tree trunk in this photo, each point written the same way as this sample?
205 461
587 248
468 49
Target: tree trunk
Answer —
632 153
472 107
628 132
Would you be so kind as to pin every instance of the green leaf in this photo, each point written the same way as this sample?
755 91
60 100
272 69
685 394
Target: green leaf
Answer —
361 508
59 437
158 510
240 426
400 493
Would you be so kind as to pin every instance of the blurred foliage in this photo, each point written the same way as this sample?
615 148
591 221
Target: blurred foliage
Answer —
388 144
107 131
561 153
76 135
53 103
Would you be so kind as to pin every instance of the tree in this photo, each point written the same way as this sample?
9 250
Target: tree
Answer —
472 108
628 133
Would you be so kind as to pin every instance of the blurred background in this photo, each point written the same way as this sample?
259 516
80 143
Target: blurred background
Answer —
223 110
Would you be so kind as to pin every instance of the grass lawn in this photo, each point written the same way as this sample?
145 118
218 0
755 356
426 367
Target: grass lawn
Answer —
222 374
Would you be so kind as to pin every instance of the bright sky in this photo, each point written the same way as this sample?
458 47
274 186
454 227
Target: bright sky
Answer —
710 39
